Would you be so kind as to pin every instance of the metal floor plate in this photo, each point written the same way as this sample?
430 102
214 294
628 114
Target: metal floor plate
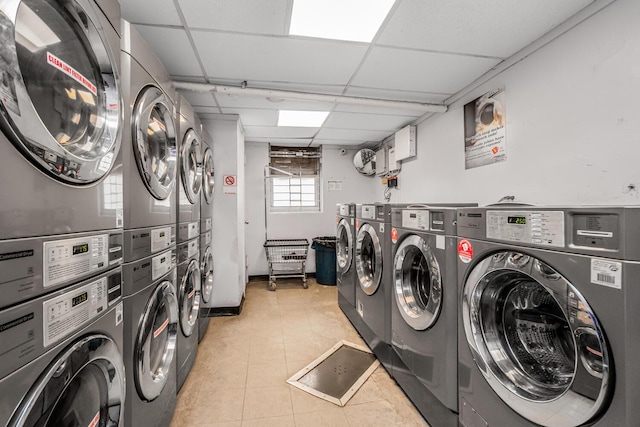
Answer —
337 374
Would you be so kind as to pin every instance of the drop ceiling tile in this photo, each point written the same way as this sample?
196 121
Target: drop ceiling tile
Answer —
279 132
378 122
278 59
205 110
301 142
413 70
352 135
156 12
490 27
173 49
254 117
364 109
245 16
398 95
241 101
336 142
204 99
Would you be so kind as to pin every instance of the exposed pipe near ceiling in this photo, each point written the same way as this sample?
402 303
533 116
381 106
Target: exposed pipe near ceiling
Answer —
277 95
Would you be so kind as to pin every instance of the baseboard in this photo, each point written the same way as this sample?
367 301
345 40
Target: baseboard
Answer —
265 277
222 311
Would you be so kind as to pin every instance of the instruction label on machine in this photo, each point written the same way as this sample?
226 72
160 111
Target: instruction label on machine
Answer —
606 273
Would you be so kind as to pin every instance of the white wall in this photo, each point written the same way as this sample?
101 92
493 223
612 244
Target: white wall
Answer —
228 229
573 125
335 167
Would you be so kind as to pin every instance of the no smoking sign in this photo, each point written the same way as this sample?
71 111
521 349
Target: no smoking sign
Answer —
229 183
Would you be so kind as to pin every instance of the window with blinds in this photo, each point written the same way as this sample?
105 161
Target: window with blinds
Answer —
294 179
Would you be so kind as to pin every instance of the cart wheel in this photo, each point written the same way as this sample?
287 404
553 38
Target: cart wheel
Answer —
305 284
271 286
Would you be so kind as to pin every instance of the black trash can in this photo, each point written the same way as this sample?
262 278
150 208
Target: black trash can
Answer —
325 248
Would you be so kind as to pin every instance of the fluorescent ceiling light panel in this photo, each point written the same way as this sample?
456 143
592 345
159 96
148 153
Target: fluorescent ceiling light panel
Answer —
303 119
352 20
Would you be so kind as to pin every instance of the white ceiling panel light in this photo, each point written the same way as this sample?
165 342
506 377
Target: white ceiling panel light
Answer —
352 20
302 119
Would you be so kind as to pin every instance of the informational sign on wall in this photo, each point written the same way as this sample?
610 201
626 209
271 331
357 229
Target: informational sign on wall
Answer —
484 130
229 184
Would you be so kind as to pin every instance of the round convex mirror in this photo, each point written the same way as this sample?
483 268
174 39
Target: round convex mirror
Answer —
365 162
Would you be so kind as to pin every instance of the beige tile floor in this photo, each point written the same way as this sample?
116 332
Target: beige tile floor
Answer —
239 377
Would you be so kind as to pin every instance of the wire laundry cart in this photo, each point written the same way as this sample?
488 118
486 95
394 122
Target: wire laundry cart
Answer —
287 259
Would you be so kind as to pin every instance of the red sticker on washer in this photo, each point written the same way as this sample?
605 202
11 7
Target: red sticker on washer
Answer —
191 294
161 328
94 422
394 235
357 224
465 251
337 219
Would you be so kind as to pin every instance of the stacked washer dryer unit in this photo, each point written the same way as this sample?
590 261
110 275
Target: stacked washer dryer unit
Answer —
372 252
424 309
188 208
206 219
345 262
61 214
549 308
150 161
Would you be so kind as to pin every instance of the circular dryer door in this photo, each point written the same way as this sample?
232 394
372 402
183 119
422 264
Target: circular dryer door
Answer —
207 275
417 283
84 386
156 342
208 177
536 340
154 142
368 259
58 88
189 298
191 168
344 245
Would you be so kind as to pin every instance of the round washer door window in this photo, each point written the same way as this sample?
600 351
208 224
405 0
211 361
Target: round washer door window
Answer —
536 340
154 143
368 259
207 275
417 283
156 342
208 176
84 386
344 245
191 168
59 88
189 298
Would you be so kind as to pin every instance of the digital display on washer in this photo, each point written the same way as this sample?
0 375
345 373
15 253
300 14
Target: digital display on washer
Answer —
517 220
81 249
79 299
412 215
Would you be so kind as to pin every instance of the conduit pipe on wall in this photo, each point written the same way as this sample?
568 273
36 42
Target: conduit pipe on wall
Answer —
314 97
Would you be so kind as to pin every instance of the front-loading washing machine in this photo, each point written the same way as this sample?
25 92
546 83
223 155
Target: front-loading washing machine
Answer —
206 269
190 169
345 263
149 152
424 309
62 357
150 338
61 118
188 292
548 313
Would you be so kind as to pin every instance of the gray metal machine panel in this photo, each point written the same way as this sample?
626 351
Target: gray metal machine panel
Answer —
140 274
34 266
143 242
187 345
206 209
111 9
187 211
346 281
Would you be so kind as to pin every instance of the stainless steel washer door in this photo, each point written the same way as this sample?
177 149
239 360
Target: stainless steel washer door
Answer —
84 386
61 105
191 168
418 283
344 246
368 259
206 266
208 176
156 342
536 340
154 143
189 298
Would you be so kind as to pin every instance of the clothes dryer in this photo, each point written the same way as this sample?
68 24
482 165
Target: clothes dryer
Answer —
62 118
424 309
345 263
206 269
190 160
149 153
548 313
208 181
64 366
188 292
150 338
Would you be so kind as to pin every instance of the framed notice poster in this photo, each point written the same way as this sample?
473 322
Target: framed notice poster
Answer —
484 130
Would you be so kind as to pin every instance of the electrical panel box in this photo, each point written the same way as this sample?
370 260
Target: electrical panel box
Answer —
405 143
392 164
381 161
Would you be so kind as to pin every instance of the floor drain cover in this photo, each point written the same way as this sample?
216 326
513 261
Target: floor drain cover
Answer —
337 374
